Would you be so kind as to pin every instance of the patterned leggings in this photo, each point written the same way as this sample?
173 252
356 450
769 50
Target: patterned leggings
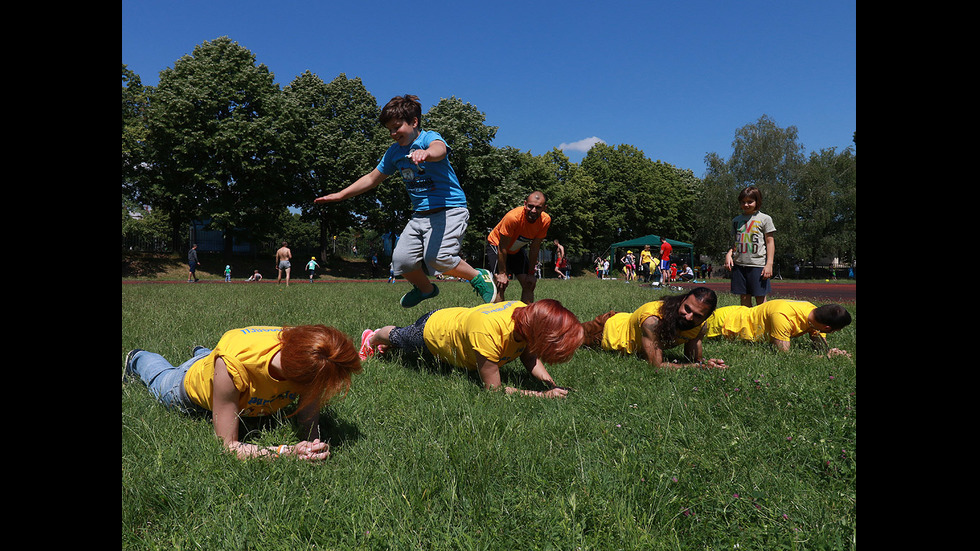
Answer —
410 337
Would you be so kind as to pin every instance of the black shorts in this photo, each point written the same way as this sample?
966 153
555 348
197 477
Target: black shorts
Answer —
517 263
747 280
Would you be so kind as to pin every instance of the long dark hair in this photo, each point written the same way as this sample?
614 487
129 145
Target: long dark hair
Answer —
670 318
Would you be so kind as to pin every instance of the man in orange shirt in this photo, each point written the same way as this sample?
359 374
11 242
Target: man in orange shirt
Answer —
506 252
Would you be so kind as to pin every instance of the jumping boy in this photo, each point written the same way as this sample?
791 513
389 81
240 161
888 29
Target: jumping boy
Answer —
439 218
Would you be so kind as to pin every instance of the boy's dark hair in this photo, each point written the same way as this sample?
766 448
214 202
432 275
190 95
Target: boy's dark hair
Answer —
403 108
833 315
754 193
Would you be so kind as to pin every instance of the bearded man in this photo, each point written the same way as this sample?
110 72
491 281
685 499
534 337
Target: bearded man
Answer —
506 252
657 326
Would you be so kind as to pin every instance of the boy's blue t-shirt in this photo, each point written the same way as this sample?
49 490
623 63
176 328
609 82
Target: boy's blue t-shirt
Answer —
437 187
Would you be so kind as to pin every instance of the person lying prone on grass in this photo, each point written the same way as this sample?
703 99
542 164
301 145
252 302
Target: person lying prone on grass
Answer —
657 326
486 337
256 371
778 321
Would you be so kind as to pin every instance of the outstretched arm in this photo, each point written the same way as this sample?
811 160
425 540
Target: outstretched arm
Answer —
365 183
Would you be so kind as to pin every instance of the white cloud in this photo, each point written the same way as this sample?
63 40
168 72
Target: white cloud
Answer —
581 145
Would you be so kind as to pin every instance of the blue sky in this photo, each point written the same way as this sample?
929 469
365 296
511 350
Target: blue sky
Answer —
675 79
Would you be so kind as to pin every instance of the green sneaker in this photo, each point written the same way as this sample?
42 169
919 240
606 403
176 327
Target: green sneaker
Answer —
415 296
484 286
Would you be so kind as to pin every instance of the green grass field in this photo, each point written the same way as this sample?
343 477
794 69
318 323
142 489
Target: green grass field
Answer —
759 456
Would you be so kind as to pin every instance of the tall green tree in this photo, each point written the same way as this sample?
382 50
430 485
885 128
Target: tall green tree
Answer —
714 209
221 147
572 203
770 157
825 206
637 196
135 98
340 141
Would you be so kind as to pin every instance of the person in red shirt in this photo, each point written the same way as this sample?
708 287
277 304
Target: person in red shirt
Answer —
665 250
506 251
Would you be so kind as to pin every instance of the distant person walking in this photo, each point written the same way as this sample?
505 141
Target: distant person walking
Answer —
646 263
311 267
283 256
559 259
192 264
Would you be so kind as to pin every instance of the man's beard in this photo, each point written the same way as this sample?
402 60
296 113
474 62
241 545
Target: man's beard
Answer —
683 324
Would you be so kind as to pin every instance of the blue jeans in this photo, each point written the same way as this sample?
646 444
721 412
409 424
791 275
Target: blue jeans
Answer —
164 381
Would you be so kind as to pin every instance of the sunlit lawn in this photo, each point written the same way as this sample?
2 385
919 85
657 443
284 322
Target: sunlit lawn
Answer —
762 455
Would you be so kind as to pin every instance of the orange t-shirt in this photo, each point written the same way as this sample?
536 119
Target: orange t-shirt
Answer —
515 225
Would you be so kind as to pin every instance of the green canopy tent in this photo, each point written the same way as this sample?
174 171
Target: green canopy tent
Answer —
681 250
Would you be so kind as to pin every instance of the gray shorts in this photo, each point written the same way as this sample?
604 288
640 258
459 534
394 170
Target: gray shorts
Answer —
434 239
283 264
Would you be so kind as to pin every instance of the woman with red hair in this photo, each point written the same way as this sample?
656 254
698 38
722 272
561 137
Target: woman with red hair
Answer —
256 371
486 337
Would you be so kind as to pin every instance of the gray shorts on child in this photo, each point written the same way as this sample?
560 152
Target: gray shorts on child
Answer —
434 237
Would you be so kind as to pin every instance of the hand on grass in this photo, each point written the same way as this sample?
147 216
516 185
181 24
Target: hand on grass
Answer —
715 363
311 451
556 392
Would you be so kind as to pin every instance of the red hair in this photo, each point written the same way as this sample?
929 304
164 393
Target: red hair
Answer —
321 359
552 332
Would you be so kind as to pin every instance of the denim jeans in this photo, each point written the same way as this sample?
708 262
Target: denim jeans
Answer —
165 381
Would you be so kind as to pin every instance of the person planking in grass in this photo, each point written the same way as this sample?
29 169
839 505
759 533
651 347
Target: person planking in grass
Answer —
778 321
485 337
506 251
657 326
256 371
439 218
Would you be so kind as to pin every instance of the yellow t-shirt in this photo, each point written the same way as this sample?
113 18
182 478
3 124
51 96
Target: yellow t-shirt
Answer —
715 324
646 257
622 331
778 319
457 335
247 353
